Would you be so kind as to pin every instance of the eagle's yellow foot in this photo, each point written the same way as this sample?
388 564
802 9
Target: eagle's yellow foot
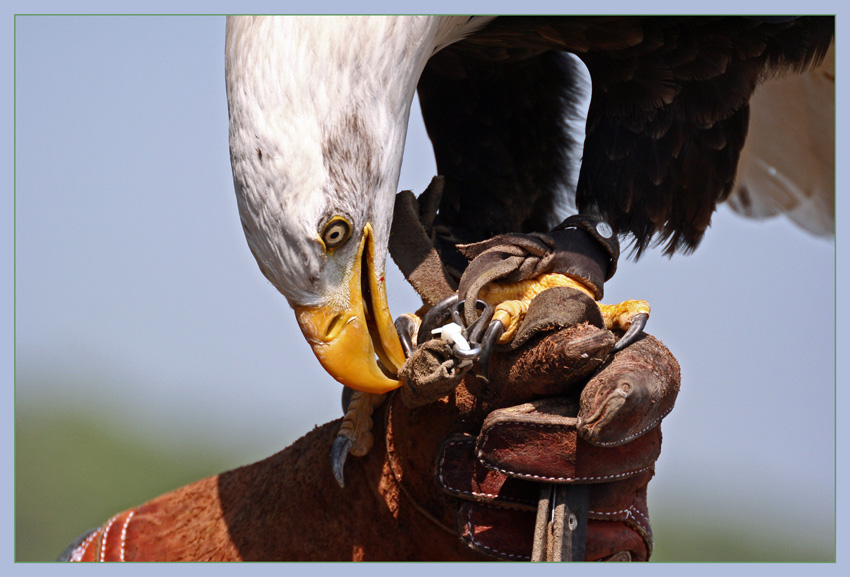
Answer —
355 433
628 316
510 314
511 300
622 315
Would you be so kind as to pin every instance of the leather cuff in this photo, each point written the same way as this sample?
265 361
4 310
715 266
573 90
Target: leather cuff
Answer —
601 232
498 512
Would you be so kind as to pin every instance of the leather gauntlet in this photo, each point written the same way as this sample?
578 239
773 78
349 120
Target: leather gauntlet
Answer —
564 429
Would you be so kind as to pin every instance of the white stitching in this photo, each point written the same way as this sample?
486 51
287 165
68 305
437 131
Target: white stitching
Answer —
630 513
443 460
124 534
650 426
609 513
521 505
645 525
568 479
77 554
557 426
456 491
487 547
105 536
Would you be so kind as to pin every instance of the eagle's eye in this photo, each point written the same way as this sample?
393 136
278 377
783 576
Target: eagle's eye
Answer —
336 232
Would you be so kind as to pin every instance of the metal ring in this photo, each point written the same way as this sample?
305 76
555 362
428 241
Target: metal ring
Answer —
434 318
479 326
466 354
473 332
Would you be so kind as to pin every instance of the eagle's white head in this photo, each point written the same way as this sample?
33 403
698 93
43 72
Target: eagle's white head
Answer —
318 116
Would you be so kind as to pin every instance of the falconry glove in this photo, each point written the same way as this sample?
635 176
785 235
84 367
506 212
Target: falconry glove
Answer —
458 466
585 413
558 410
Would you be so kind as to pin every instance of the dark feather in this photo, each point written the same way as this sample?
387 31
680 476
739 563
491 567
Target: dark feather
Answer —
666 123
500 146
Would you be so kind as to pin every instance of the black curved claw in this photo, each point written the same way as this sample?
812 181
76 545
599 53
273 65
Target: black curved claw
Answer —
632 333
491 337
404 327
470 354
347 393
339 453
435 317
476 329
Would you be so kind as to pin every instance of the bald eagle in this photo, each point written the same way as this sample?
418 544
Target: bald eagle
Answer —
319 110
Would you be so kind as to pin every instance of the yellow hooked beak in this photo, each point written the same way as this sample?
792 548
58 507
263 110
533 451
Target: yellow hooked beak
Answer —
348 337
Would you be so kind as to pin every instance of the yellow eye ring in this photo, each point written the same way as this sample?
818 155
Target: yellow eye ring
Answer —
336 232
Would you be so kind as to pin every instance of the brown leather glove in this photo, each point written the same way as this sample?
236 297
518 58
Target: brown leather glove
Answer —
562 429
456 470
445 481
583 415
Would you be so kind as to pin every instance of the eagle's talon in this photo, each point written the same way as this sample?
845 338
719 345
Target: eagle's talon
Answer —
632 333
347 393
406 327
476 328
339 453
355 432
488 343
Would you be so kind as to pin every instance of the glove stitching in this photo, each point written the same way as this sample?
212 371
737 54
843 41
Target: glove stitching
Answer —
567 479
78 553
649 427
645 525
630 513
471 531
456 491
480 456
124 534
105 537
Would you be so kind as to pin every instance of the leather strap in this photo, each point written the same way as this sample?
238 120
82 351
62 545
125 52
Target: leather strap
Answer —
498 515
539 441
